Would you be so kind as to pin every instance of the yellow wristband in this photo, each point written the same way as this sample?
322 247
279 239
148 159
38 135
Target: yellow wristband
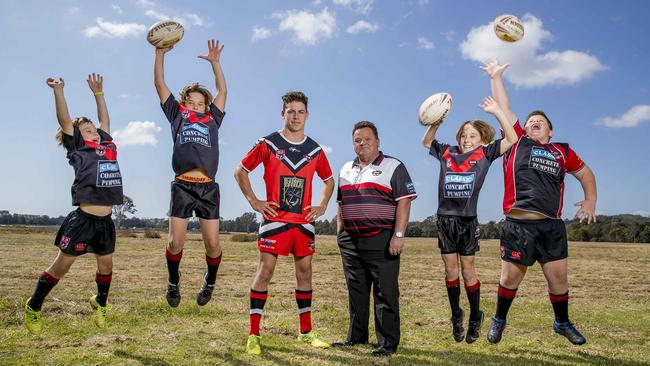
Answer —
98 93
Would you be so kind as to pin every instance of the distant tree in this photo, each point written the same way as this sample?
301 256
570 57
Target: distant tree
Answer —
120 211
246 223
429 226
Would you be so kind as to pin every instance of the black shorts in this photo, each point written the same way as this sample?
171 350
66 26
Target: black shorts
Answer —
202 199
83 233
524 241
458 234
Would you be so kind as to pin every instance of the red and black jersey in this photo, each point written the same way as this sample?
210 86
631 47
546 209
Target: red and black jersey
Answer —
288 172
534 175
196 137
368 196
97 176
462 176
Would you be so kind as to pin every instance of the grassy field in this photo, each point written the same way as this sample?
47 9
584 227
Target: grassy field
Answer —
610 294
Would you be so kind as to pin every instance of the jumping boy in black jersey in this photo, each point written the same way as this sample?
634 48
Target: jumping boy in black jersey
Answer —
195 123
96 188
462 171
534 171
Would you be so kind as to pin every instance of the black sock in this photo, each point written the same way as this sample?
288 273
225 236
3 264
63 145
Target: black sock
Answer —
504 300
103 285
560 306
173 262
43 287
453 292
213 267
474 297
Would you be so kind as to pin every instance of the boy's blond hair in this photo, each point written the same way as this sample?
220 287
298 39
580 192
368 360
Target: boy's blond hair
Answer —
75 123
484 128
196 88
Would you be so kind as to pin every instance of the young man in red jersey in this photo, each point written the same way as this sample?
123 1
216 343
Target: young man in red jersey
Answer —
534 171
290 160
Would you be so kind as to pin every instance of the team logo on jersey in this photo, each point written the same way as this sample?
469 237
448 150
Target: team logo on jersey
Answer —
292 191
515 255
65 241
376 173
280 154
459 184
80 247
293 149
473 162
410 187
108 174
544 161
448 162
100 150
307 157
185 114
266 243
195 133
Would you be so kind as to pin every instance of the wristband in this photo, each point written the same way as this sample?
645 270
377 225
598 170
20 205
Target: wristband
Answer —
98 93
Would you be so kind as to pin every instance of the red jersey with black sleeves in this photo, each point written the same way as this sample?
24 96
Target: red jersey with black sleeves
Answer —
196 137
534 175
97 176
368 196
288 172
462 176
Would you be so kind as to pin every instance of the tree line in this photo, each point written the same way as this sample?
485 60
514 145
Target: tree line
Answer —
617 228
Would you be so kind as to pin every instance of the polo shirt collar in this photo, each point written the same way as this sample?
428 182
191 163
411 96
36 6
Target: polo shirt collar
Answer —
375 162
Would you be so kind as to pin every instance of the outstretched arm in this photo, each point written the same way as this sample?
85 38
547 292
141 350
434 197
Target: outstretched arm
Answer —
159 74
489 105
214 56
495 71
62 114
318 211
96 84
263 207
430 135
587 209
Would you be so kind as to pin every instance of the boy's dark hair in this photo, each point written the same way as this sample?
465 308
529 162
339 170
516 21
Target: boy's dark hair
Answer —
484 129
539 113
294 96
364 124
75 123
196 88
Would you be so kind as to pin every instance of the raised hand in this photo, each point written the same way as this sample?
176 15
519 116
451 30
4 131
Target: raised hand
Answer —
493 68
55 84
214 51
95 82
163 50
490 105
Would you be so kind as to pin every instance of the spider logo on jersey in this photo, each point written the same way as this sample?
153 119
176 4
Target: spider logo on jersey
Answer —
280 154
376 173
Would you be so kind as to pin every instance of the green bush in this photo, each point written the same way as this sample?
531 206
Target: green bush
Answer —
151 234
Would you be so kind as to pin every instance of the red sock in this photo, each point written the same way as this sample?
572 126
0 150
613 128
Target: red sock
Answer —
258 299
303 299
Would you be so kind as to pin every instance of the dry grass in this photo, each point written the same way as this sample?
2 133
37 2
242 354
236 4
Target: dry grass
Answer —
610 294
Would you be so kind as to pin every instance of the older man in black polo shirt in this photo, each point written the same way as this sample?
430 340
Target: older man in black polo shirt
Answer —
374 195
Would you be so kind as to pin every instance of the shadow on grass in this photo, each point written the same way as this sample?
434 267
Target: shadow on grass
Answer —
145 360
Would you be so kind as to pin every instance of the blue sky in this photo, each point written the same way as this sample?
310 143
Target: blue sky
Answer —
586 66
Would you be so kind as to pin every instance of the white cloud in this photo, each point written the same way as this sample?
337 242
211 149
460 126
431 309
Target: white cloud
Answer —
403 44
531 67
73 11
308 28
146 3
327 149
113 30
424 43
137 133
362 26
117 8
316 2
186 21
449 36
260 33
632 118
360 6
196 19
641 213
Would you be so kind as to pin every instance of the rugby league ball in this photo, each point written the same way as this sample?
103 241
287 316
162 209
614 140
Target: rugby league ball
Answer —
508 28
434 109
165 33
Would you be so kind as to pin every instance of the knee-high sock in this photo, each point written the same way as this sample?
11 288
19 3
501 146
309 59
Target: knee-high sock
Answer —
504 300
43 287
173 262
474 298
103 285
258 299
303 299
560 306
213 267
453 292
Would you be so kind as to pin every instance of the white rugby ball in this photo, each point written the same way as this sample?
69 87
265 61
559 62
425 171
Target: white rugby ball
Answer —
165 33
434 109
508 28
